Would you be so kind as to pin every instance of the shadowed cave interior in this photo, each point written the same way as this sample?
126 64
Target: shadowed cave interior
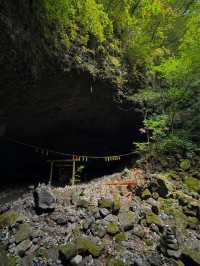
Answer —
67 113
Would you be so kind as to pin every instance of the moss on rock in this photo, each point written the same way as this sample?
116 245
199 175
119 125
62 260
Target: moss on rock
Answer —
192 184
114 262
105 203
6 260
192 256
51 253
67 251
180 220
120 237
98 230
152 218
185 199
185 164
112 228
86 244
116 203
23 247
179 263
22 233
10 218
192 222
127 220
146 194
80 245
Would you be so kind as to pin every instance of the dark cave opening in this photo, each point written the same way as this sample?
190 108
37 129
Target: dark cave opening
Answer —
60 113
28 165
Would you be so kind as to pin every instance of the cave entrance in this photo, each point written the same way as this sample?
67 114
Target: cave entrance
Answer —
60 113
80 168
26 165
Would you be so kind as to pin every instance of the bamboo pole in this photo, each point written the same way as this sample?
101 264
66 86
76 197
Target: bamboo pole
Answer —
51 172
73 172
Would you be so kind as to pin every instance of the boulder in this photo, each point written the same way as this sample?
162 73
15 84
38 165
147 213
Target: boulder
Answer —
161 185
112 229
104 212
23 247
44 198
116 204
114 262
98 230
81 245
192 184
192 256
105 203
82 203
111 261
10 218
146 194
88 222
127 220
22 233
120 237
76 261
111 219
47 253
185 164
152 218
155 205
139 231
6 260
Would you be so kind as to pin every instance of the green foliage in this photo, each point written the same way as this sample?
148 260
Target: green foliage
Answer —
153 41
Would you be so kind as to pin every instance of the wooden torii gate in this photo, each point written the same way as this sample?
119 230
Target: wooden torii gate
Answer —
66 163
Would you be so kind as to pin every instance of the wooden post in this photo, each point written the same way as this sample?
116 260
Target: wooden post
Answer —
51 172
73 172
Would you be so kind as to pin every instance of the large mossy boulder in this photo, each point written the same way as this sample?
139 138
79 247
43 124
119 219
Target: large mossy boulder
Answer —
6 260
23 232
127 220
98 230
112 228
68 251
120 237
185 199
105 203
191 256
152 218
180 220
23 247
81 245
185 164
48 254
192 184
10 218
116 204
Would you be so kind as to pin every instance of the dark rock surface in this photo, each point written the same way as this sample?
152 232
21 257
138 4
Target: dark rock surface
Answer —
44 198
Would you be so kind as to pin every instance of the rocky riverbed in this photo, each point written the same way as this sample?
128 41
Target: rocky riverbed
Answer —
154 222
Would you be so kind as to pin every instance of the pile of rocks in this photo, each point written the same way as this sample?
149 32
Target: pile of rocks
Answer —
169 244
94 225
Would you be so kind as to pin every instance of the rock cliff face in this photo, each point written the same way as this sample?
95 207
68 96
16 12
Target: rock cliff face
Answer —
43 104
71 111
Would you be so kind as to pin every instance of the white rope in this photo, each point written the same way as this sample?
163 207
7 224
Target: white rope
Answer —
85 157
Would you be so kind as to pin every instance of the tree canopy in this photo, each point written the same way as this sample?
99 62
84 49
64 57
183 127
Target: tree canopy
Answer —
154 41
